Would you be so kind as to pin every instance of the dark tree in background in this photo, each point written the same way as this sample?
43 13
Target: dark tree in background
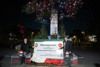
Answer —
42 34
62 32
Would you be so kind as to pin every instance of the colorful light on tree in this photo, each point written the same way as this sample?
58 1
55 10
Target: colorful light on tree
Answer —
65 8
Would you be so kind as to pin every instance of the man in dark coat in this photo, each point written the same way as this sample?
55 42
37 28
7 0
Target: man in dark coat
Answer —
25 47
67 46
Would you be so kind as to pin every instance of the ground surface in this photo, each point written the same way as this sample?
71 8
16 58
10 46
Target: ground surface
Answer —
87 57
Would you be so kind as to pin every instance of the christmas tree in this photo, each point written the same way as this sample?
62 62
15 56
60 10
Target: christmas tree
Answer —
42 34
42 8
62 31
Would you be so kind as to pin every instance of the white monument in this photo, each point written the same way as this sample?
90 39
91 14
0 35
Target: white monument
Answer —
54 22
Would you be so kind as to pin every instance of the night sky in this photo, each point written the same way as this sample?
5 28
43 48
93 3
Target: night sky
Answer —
11 15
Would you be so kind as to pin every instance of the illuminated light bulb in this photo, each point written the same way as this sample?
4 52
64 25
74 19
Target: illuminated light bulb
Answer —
75 2
73 13
70 6
61 3
65 7
29 3
44 6
32 8
37 4
48 4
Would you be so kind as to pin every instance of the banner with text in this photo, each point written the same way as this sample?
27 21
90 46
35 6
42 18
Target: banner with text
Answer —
49 49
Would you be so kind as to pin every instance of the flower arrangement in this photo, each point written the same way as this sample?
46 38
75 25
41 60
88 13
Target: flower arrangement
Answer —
54 61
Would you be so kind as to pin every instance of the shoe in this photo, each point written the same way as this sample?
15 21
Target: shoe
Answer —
23 64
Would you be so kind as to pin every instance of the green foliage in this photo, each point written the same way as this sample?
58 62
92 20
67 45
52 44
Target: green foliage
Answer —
62 32
32 44
42 34
53 36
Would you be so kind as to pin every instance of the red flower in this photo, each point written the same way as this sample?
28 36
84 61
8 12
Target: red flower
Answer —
54 61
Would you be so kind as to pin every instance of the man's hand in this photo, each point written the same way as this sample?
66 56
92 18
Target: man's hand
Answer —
33 47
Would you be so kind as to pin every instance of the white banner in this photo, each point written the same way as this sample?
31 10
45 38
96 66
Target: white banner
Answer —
48 49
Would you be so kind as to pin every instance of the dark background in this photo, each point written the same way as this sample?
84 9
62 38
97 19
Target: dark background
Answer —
87 17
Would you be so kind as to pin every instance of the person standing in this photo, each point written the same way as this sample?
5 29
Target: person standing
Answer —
25 47
67 46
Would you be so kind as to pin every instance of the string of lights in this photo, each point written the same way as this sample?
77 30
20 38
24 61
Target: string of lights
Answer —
65 8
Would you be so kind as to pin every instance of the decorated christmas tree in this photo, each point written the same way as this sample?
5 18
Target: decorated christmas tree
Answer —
42 8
